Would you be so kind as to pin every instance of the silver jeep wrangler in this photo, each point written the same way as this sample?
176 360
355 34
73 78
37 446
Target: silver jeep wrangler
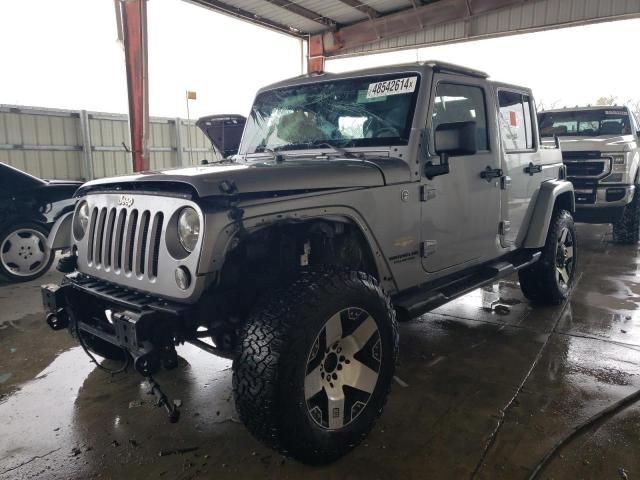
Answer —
353 200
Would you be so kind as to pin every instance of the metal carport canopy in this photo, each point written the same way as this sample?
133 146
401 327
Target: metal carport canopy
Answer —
335 28
354 27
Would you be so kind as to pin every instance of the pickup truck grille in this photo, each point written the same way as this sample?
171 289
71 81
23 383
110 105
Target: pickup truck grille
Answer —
583 165
125 240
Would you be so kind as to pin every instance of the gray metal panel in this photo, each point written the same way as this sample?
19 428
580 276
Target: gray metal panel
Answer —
279 15
334 9
30 129
386 6
49 143
527 16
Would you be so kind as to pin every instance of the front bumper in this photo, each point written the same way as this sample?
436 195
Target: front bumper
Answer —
147 328
604 196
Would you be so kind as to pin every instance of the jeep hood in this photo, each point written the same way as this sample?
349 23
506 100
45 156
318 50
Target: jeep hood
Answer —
618 143
264 177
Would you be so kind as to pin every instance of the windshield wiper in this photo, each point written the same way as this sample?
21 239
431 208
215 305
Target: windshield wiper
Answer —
275 155
338 150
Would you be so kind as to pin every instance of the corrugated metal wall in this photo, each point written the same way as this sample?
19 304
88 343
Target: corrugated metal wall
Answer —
527 16
49 143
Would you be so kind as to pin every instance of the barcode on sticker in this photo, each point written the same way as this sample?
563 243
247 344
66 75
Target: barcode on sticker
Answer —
616 112
392 87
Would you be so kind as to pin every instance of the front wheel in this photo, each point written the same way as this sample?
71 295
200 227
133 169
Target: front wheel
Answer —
316 365
550 279
24 254
626 231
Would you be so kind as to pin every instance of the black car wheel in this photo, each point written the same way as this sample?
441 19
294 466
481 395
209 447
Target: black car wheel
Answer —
627 229
316 365
24 254
550 279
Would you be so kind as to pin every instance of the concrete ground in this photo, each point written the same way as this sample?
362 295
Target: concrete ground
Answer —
470 395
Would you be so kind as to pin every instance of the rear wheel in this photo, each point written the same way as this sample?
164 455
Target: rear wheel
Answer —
24 254
550 279
316 365
627 229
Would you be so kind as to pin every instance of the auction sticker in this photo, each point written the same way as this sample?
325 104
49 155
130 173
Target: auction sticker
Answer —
392 87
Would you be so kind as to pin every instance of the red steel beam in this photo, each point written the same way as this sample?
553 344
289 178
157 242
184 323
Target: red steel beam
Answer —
134 25
405 21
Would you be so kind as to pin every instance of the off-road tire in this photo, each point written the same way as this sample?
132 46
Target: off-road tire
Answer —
626 231
36 229
276 347
540 282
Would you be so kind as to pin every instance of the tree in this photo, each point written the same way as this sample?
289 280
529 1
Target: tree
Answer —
634 106
610 100
544 104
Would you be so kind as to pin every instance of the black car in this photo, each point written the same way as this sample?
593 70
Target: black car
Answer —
29 207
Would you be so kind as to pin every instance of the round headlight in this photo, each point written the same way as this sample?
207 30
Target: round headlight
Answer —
188 228
81 220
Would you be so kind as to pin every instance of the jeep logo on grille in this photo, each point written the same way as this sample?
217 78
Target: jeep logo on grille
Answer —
125 200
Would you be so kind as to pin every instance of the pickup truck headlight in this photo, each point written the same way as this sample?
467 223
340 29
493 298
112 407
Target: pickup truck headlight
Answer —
81 220
618 159
188 228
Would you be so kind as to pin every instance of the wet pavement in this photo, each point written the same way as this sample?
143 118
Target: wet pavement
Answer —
480 394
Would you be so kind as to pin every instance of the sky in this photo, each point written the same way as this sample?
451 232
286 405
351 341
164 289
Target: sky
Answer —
67 56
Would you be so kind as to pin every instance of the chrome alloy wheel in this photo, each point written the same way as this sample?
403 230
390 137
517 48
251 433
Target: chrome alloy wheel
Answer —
565 257
342 368
24 252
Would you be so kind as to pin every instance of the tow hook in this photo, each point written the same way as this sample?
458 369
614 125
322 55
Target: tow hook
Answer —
163 401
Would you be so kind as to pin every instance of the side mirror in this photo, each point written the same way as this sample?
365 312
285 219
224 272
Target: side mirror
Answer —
455 139
451 140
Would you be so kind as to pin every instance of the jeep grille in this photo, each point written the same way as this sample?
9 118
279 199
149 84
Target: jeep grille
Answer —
126 240
131 241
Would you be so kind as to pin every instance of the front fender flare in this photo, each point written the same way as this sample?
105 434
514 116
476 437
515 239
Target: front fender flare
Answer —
549 195
60 234
254 220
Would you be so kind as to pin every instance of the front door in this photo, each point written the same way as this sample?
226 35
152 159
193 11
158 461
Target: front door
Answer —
461 209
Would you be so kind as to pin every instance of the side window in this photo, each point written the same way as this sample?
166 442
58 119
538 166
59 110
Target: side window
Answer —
515 121
461 103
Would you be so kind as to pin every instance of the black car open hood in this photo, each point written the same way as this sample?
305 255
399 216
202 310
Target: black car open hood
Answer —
264 176
224 132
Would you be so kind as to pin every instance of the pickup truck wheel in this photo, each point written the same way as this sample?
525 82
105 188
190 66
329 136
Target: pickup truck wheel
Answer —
627 229
24 254
550 279
316 365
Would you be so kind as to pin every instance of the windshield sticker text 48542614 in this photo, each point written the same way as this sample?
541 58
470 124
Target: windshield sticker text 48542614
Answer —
392 87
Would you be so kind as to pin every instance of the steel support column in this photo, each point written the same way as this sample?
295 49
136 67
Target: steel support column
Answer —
134 26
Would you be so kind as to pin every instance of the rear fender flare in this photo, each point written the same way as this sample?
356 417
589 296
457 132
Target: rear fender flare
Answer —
552 193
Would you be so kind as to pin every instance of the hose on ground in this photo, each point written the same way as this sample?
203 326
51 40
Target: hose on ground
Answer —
600 416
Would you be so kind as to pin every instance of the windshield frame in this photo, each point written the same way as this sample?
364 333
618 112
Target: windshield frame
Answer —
359 143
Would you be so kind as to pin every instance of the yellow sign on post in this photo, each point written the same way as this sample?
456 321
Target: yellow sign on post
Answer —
191 95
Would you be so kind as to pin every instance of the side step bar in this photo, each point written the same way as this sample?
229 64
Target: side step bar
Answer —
434 294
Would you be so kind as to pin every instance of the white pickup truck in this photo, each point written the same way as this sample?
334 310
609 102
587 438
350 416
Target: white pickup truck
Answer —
601 150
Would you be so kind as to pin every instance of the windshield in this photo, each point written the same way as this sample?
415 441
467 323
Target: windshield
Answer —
590 123
360 112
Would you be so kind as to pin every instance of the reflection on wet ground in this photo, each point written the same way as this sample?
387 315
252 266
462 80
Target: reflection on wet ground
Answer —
460 366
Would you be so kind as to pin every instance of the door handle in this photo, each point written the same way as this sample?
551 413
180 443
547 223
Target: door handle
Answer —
490 173
532 168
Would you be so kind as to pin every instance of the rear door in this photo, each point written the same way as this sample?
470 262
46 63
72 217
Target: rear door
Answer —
523 163
461 210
